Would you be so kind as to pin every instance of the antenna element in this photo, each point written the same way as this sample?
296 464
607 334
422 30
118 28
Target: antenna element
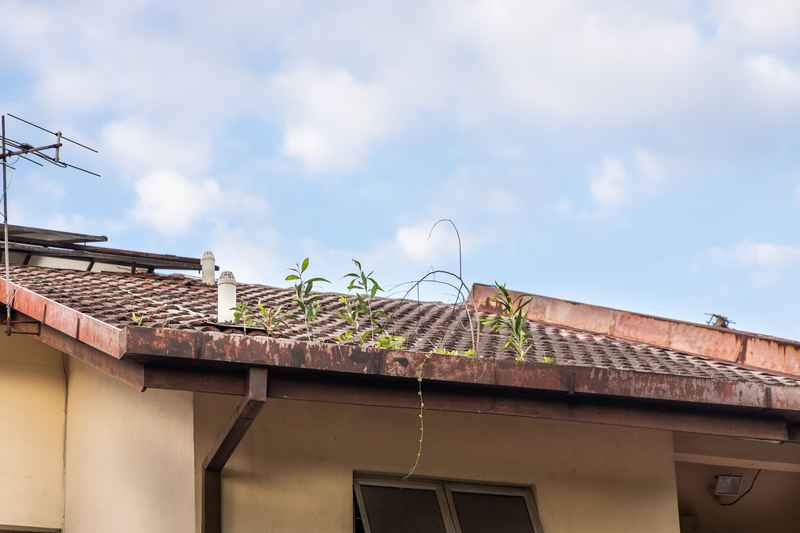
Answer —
21 150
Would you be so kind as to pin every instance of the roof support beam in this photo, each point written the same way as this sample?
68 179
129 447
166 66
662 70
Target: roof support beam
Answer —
221 348
196 380
128 372
736 462
573 409
228 441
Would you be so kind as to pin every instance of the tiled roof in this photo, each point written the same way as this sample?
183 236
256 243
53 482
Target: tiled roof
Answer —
186 303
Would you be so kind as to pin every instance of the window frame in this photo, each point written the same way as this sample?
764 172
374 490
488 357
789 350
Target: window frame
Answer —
527 494
374 481
444 494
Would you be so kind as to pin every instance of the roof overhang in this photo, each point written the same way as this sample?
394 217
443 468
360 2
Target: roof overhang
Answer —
212 361
38 242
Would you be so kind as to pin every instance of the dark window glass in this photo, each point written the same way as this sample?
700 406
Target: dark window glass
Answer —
402 510
492 513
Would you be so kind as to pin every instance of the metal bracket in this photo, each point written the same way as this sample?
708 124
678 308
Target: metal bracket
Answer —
228 441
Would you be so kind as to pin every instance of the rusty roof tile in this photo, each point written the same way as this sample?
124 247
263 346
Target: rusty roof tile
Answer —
177 302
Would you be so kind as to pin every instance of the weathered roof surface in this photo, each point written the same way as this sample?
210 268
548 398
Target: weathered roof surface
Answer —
185 303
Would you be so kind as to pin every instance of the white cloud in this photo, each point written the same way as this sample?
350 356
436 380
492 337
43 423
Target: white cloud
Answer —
618 183
331 118
139 147
610 187
774 78
573 59
170 203
765 262
252 256
336 98
766 255
418 244
762 22
651 168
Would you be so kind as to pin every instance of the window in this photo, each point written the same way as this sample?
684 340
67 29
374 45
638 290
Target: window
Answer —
385 505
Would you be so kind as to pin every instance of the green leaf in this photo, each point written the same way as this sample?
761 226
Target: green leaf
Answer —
304 266
292 277
391 342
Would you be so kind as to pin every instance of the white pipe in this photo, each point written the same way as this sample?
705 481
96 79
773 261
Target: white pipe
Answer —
226 297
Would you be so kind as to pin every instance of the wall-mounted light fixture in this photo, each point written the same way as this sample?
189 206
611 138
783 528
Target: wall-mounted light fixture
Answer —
728 485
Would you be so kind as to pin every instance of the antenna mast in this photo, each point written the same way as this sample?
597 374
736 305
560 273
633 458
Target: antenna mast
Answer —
33 154
5 229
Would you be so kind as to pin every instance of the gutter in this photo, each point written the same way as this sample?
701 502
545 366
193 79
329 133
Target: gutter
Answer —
148 344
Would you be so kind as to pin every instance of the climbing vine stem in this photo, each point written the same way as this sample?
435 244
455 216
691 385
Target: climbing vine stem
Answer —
421 416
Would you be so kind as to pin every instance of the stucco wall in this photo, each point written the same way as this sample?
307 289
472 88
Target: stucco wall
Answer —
293 471
31 434
130 457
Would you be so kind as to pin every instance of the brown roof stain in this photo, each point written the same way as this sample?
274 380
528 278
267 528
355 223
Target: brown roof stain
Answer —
574 335
749 350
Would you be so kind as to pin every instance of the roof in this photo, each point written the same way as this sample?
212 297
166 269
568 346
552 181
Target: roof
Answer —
182 303
31 235
601 372
62 249
745 348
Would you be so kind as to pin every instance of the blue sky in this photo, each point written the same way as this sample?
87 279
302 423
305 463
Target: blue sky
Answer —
636 156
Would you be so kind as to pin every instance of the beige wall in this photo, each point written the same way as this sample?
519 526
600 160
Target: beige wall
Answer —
31 434
130 457
293 471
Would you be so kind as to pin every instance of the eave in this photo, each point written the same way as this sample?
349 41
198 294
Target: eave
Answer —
211 361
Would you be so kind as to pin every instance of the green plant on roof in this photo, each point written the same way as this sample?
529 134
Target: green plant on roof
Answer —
241 315
366 287
512 321
444 351
391 342
352 309
359 306
306 301
270 318
137 319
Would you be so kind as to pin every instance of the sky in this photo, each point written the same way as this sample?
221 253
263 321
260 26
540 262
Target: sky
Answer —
638 155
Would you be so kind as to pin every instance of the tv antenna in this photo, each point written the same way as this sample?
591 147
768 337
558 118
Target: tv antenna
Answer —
45 154
719 321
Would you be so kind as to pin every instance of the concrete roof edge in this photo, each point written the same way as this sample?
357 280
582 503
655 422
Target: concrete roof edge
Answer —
217 347
749 350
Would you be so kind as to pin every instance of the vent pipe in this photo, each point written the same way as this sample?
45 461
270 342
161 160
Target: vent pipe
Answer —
226 297
208 265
